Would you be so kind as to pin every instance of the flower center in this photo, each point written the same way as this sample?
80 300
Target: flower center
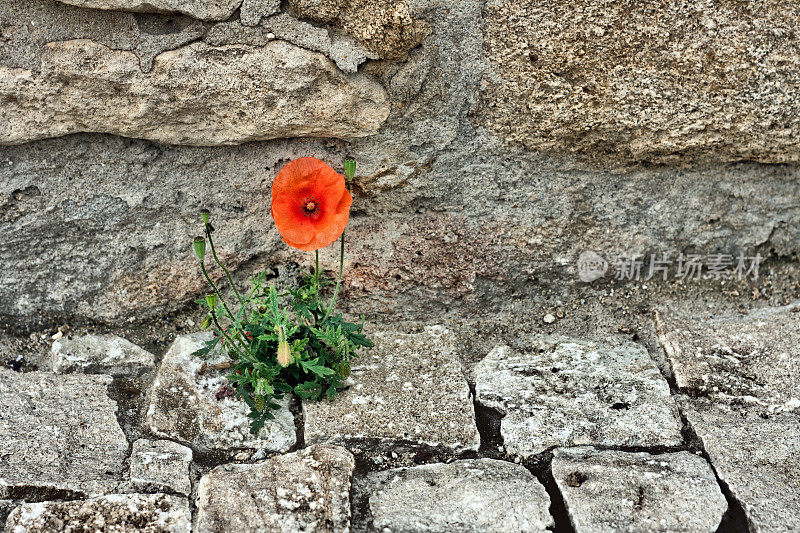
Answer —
310 205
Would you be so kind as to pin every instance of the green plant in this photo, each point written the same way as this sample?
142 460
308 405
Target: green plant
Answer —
279 343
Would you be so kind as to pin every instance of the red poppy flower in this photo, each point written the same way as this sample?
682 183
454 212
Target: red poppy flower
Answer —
310 204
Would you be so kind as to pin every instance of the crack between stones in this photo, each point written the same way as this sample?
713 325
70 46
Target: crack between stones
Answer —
734 520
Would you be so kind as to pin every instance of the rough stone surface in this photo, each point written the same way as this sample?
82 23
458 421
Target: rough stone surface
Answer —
638 492
160 466
630 83
201 9
753 357
120 513
100 354
252 11
308 490
758 458
60 436
409 387
195 95
182 406
448 222
563 392
386 27
343 50
470 495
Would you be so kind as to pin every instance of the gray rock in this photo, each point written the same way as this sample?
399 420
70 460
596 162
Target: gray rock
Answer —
60 436
409 387
563 392
100 354
120 513
620 87
182 406
758 458
471 495
753 357
201 9
252 11
308 490
430 235
638 492
160 466
247 93
343 50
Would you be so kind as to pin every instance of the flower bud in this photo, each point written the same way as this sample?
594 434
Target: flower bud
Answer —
344 370
349 168
205 215
211 300
206 323
284 354
200 247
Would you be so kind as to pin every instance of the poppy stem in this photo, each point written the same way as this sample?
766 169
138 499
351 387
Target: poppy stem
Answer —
216 290
227 274
338 281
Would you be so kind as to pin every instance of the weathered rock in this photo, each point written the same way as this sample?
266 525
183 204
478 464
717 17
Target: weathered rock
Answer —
100 354
6 506
753 357
469 495
638 492
669 82
196 95
120 513
252 11
343 50
182 406
758 458
564 392
447 223
201 9
308 490
386 27
161 466
60 436
409 387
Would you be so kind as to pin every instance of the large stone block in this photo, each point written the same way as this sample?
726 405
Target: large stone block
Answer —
120 513
161 466
196 95
469 495
308 490
565 392
60 436
182 406
607 491
100 354
201 9
408 388
753 357
758 458
658 82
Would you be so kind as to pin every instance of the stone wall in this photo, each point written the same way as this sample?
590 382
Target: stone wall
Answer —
496 141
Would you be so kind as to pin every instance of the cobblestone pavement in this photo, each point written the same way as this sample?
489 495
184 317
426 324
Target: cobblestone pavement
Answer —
698 433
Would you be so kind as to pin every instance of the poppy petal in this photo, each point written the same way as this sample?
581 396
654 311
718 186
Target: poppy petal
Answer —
340 217
291 224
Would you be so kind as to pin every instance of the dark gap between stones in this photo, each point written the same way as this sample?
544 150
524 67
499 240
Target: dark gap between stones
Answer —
540 466
734 520
487 421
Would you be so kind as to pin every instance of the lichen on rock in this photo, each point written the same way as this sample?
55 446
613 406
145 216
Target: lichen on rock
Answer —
386 27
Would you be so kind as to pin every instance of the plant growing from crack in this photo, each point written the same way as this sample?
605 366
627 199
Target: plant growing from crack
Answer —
287 342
